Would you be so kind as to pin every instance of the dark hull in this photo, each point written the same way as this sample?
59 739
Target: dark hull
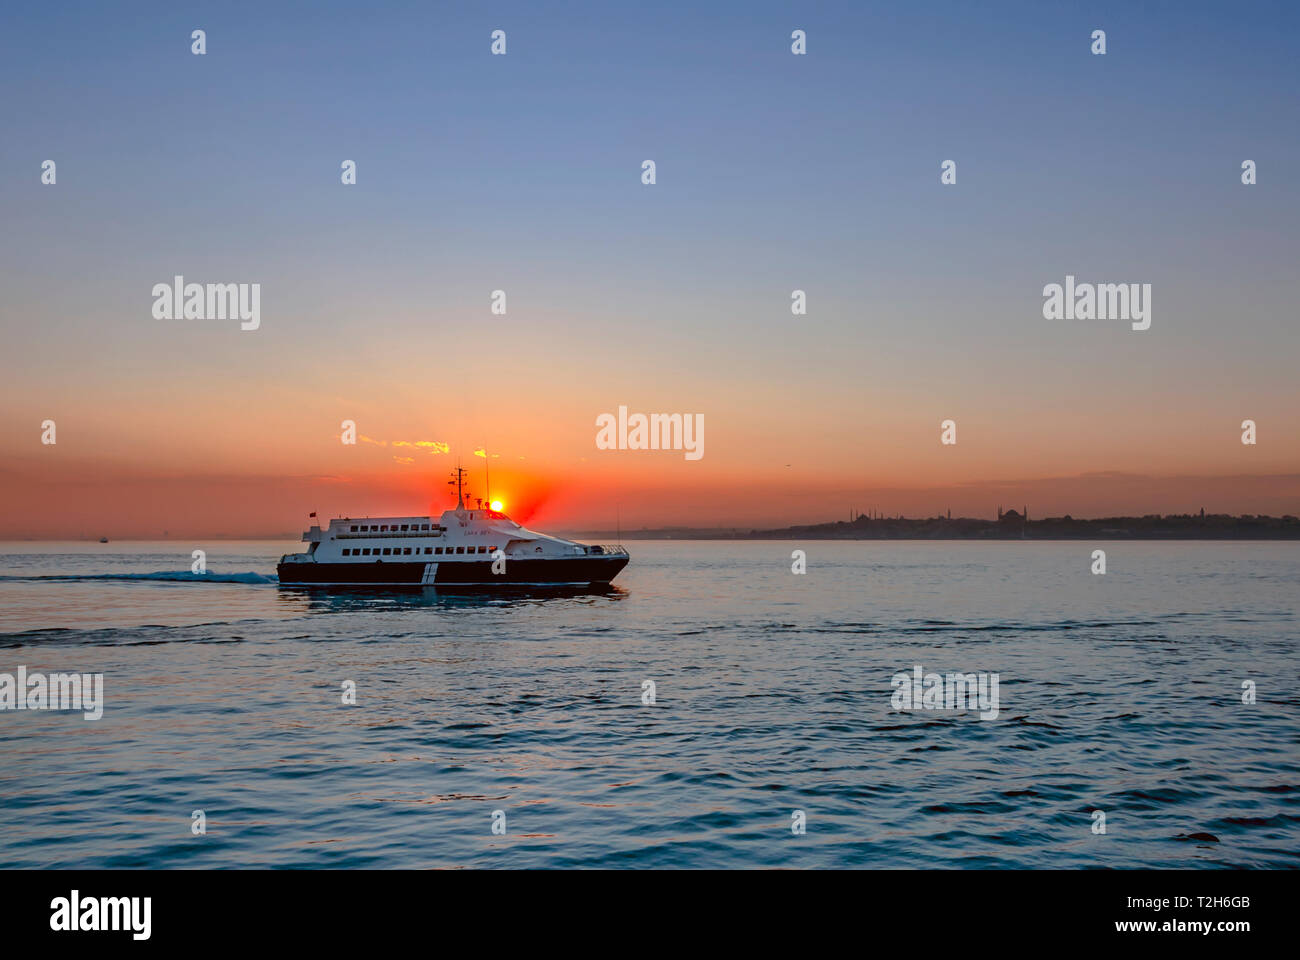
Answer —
595 570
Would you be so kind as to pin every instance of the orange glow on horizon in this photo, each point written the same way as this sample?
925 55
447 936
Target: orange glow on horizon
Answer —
126 484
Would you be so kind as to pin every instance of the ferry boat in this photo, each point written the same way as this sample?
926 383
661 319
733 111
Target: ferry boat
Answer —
465 547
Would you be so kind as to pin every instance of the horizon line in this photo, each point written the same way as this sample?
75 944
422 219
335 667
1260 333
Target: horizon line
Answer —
671 528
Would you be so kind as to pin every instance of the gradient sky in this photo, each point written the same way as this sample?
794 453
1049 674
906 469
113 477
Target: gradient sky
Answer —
522 172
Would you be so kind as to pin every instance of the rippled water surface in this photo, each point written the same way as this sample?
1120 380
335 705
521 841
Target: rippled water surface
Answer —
1120 693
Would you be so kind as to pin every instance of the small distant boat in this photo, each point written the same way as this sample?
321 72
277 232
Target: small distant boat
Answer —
103 539
465 547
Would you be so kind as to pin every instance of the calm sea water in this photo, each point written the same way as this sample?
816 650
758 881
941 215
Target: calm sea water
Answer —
1120 693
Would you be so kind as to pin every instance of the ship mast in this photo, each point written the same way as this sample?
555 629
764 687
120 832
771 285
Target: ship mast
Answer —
459 481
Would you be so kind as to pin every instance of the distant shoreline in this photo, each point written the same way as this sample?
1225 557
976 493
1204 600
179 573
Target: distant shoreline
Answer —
1011 526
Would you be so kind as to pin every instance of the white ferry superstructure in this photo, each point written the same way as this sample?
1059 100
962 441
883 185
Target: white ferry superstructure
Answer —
465 547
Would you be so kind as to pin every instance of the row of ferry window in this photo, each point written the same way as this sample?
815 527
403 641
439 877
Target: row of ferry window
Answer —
406 551
384 528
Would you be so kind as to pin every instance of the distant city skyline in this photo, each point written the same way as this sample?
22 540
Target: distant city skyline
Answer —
522 173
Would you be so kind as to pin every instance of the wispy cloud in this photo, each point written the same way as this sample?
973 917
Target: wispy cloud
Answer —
428 446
